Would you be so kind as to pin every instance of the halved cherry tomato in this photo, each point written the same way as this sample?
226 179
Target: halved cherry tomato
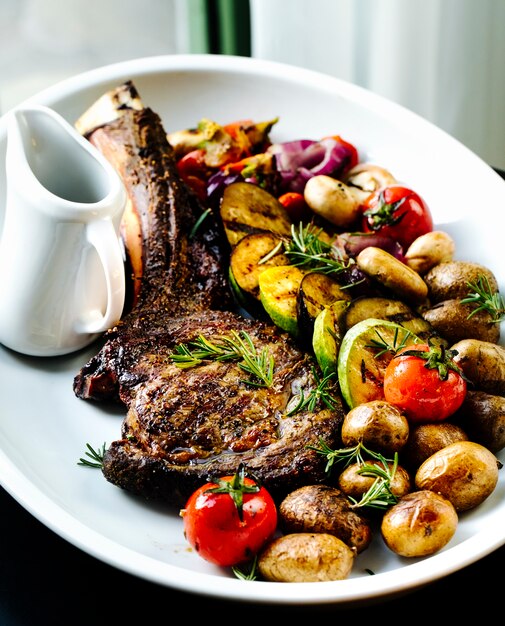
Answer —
397 212
425 383
229 521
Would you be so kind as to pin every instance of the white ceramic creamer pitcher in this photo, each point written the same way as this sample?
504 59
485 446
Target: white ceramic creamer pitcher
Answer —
61 258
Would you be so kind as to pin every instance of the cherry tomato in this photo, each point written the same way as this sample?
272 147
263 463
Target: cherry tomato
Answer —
354 156
194 171
229 521
425 383
397 212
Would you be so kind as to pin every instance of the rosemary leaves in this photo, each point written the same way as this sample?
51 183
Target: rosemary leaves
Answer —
308 250
233 347
485 299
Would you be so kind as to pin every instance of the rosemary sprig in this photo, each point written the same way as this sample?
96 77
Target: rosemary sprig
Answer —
194 353
199 222
307 250
321 394
275 250
260 366
345 455
486 299
96 456
352 454
383 346
236 347
248 571
379 495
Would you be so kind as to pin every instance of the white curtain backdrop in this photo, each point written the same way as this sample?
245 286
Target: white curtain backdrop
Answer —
443 59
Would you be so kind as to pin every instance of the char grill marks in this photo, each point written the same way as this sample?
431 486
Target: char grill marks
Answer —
186 426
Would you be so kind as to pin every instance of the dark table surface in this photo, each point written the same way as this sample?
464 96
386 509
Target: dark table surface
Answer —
44 580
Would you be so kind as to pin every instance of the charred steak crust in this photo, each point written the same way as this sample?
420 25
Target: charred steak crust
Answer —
186 426
180 272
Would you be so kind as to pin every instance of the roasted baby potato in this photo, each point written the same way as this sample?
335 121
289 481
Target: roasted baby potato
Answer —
306 557
483 362
324 509
464 472
449 280
378 424
426 439
420 524
456 321
354 483
482 416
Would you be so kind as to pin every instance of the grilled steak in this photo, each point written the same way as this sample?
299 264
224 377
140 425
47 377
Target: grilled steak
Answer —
187 425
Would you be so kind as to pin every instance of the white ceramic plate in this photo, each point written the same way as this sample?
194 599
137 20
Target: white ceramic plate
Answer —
44 428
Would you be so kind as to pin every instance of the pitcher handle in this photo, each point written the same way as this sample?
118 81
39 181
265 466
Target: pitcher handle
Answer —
103 237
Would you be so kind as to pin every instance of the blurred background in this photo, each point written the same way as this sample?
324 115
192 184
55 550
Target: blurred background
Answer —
443 59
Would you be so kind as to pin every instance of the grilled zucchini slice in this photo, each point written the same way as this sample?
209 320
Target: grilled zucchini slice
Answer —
388 309
328 334
361 362
317 291
279 287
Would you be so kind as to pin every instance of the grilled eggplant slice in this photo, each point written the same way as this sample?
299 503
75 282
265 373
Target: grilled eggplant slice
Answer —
246 208
252 255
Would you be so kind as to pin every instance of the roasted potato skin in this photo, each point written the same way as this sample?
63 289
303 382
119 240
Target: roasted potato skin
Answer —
451 319
483 363
449 280
378 425
482 416
420 524
465 472
426 439
324 509
354 484
306 557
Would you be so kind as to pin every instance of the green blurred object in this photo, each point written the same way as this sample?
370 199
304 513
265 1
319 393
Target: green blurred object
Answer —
220 27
